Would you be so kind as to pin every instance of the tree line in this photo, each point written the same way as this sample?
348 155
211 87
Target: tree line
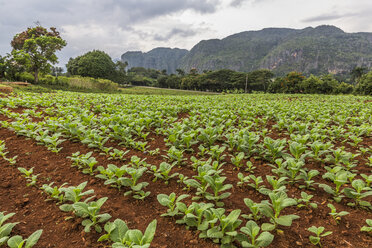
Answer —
33 56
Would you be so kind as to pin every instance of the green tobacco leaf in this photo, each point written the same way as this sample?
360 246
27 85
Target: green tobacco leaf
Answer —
267 227
66 207
32 240
134 236
149 233
264 239
214 233
6 229
119 233
16 242
87 224
286 220
314 240
3 217
3 240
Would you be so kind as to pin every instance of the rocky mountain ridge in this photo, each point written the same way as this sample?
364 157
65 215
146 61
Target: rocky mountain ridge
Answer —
324 49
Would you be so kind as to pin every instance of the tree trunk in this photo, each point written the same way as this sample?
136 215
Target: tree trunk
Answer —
36 75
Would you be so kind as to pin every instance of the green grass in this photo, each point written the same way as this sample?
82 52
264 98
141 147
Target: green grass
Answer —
141 90
136 90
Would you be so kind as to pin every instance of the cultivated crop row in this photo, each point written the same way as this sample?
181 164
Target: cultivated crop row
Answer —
246 171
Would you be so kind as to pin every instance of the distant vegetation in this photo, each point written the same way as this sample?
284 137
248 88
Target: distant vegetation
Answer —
95 71
143 90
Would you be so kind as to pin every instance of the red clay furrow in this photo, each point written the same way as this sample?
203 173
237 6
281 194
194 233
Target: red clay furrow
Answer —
56 167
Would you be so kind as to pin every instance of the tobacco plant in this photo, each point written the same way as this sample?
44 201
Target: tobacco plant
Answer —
305 201
171 202
319 149
368 227
237 160
136 188
226 231
318 231
256 183
112 175
249 167
28 174
339 178
255 209
6 228
18 242
216 152
193 215
163 172
123 237
242 179
336 215
272 210
217 185
85 162
90 211
253 237
298 151
118 154
56 193
274 148
278 185
358 192
307 177
175 155
75 194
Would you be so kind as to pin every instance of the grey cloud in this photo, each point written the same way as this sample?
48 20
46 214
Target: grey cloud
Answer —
115 17
72 11
175 32
237 3
328 17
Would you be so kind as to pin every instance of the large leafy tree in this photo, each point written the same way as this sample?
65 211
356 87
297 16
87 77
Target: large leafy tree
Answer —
260 79
35 48
96 64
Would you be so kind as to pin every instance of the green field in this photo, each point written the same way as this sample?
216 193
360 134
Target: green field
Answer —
225 170
143 90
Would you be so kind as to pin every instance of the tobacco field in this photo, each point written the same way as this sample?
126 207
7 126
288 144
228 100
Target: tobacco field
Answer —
258 170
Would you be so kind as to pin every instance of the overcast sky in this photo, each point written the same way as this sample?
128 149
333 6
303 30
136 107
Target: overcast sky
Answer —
117 26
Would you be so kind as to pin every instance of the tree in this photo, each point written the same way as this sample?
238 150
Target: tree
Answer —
35 48
292 82
120 72
96 64
311 85
2 67
364 86
357 73
329 84
57 71
260 79
193 71
180 72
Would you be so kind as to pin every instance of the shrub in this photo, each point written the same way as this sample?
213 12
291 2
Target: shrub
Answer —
47 79
344 88
26 77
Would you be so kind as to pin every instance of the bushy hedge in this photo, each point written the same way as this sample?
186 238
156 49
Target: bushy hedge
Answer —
295 82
